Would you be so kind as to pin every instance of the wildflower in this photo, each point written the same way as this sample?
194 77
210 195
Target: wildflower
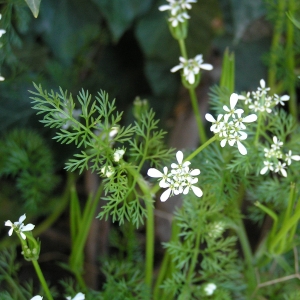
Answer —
180 180
289 157
280 167
191 67
217 124
2 78
231 111
37 298
79 296
277 143
209 289
268 166
2 31
279 100
19 227
118 154
107 171
180 18
247 98
262 89
175 6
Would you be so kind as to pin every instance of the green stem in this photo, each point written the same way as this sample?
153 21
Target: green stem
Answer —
149 243
199 149
182 48
258 128
42 279
193 96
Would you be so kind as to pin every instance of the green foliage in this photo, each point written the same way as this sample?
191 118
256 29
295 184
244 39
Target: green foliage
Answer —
25 158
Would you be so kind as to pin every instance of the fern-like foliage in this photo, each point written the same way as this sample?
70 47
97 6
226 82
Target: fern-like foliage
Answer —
25 158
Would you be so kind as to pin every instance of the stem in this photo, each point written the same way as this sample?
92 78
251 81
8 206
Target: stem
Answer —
182 48
258 128
198 117
202 147
149 243
42 279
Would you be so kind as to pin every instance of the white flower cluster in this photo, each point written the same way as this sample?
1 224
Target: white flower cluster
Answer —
2 31
260 101
79 296
276 160
178 10
19 227
229 127
209 289
179 180
191 67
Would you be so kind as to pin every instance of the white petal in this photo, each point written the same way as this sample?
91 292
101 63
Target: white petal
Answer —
226 108
197 191
165 195
262 83
154 173
179 156
23 236
295 157
250 118
10 231
79 296
239 111
22 218
191 78
8 223
223 143
233 100
283 172
285 97
241 148
207 67
37 298
210 118
196 172
176 68
28 227
164 7
264 170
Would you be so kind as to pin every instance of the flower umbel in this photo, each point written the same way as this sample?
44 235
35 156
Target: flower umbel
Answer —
79 296
19 227
179 180
209 289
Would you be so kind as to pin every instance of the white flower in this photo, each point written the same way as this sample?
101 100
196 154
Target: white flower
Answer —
217 124
173 7
268 166
107 171
189 185
246 98
180 167
79 296
2 78
180 18
118 154
2 31
280 100
277 143
239 120
262 89
19 226
289 157
237 138
37 298
152 172
191 67
255 106
210 288
280 167
231 111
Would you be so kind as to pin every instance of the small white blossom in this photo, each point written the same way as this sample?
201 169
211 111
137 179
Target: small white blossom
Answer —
210 288
268 166
280 167
107 171
2 31
37 298
118 154
217 124
262 89
289 157
19 226
152 172
191 67
231 111
180 18
277 143
2 78
79 296
279 100
246 98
